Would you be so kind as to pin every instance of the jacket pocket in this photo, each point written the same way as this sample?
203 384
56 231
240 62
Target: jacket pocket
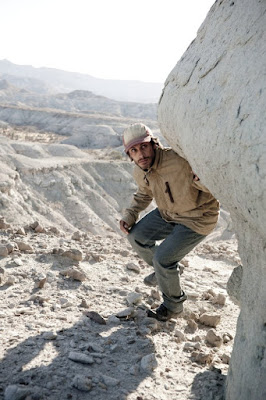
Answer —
168 190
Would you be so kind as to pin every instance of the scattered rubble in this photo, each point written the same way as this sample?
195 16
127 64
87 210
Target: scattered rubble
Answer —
77 325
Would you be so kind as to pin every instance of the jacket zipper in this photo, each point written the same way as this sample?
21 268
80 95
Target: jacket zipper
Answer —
168 190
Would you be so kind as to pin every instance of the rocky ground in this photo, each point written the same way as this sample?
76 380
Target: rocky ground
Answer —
73 321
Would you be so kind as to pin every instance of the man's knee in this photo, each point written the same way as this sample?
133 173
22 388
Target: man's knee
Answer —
161 260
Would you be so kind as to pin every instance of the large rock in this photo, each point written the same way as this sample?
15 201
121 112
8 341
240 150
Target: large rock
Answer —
212 111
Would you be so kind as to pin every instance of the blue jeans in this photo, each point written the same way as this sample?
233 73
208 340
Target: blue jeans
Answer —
178 240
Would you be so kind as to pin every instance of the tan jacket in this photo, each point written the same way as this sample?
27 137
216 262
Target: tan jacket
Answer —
179 199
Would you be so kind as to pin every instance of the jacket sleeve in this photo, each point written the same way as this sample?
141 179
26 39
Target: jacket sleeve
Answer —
198 185
141 199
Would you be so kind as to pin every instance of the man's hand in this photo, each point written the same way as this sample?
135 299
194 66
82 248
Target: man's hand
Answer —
195 177
124 227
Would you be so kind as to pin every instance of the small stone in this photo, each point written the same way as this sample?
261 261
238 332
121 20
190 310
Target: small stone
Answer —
74 273
3 224
102 385
94 257
53 229
64 303
18 261
21 231
124 253
56 307
179 335
134 298
84 304
26 311
211 292
148 363
210 319
207 296
133 267
34 224
202 358
109 381
227 337
2 274
10 247
192 326
94 316
73 254
11 280
185 263
3 251
155 294
151 323
80 357
93 347
82 382
39 299
77 236
58 251
16 392
192 295
188 346
219 299
213 339
24 246
194 316
113 320
126 313
134 370
41 281
124 279
50 335
39 229
225 358
196 338
197 346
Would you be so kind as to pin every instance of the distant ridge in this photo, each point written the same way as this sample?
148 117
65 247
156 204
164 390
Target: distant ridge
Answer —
55 80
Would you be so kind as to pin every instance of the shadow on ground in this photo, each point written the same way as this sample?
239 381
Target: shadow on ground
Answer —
42 369
208 385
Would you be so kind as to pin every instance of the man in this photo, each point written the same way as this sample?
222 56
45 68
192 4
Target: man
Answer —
186 212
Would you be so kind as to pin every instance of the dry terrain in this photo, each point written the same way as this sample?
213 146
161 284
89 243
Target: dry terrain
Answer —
73 315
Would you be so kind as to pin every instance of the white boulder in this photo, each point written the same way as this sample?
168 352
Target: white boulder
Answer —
212 111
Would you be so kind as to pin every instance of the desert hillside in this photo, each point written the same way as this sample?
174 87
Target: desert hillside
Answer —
85 119
51 80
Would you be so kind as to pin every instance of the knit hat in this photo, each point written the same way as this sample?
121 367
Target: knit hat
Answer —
136 134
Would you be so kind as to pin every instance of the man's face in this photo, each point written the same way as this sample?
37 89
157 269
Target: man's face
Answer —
143 154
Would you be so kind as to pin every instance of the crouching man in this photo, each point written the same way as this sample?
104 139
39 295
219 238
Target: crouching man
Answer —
186 212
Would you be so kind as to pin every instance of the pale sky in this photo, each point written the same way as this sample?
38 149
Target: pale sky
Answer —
112 39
